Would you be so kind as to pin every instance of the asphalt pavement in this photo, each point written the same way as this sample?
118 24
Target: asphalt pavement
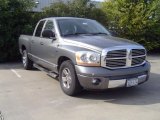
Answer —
33 95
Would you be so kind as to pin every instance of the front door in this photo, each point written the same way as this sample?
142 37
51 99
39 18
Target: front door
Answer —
49 48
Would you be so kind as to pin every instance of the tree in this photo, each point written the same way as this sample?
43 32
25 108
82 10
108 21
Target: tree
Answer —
133 19
75 8
14 17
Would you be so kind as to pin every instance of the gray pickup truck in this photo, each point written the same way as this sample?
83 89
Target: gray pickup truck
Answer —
83 55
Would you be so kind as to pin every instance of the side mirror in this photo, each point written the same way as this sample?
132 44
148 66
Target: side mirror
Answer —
48 34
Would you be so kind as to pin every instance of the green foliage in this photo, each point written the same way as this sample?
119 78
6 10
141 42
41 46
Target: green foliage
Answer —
14 20
135 19
138 20
75 8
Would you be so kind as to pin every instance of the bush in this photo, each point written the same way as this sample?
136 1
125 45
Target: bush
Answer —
136 20
75 8
14 20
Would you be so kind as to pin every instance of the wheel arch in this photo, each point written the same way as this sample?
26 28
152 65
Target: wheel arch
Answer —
23 47
61 59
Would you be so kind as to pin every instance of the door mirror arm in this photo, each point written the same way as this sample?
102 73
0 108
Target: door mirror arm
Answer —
53 38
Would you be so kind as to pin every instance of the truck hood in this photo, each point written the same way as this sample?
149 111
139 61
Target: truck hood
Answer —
98 42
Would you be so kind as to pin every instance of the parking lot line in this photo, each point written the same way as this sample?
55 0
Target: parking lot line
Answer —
16 73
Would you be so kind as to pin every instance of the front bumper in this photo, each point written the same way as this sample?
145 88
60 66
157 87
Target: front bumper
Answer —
111 78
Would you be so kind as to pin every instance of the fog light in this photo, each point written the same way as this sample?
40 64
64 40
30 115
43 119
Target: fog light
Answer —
96 81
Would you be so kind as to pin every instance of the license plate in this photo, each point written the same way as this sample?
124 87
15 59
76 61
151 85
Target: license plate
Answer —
132 82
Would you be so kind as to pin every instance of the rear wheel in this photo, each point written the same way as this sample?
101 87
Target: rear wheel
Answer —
27 63
68 79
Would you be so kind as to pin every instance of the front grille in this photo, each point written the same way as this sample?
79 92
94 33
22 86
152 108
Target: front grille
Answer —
116 62
138 52
138 60
116 53
116 58
123 58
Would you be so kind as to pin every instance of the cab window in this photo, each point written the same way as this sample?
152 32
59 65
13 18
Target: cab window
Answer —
49 25
39 29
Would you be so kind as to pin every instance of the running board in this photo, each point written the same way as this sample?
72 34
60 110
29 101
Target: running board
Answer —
50 73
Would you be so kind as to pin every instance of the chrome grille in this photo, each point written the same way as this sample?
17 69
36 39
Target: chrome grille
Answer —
116 53
122 58
116 62
138 52
138 60
138 56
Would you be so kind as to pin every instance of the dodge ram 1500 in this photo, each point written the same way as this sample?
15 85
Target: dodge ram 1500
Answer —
83 55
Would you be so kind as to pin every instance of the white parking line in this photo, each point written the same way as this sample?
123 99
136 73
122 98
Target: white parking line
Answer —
15 72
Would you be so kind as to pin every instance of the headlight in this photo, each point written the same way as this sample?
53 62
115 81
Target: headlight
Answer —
87 58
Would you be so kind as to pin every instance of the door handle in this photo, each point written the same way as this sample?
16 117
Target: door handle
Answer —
41 43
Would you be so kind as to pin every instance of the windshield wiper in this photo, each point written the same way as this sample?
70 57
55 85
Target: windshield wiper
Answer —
85 34
74 34
99 33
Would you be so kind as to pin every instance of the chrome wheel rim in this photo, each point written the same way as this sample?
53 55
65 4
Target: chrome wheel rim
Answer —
24 58
66 78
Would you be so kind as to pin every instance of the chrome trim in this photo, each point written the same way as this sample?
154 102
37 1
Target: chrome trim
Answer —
122 82
138 56
128 56
116 58
116 83
54 65
142 78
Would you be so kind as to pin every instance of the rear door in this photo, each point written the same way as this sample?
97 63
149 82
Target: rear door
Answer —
35 42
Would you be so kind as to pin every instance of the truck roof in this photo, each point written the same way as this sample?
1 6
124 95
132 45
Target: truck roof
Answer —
63 18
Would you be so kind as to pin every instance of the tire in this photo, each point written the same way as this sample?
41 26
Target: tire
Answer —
27 63
68 79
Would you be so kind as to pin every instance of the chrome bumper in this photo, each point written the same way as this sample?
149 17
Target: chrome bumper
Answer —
111 78
105 83
122 82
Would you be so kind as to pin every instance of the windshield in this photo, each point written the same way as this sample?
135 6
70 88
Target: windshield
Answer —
80 26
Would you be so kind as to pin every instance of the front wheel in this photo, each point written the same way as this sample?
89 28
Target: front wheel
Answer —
27 63
68 79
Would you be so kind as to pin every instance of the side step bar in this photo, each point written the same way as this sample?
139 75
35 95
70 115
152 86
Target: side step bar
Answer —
50 73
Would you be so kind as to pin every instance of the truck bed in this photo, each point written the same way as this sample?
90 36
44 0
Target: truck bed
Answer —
24 40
